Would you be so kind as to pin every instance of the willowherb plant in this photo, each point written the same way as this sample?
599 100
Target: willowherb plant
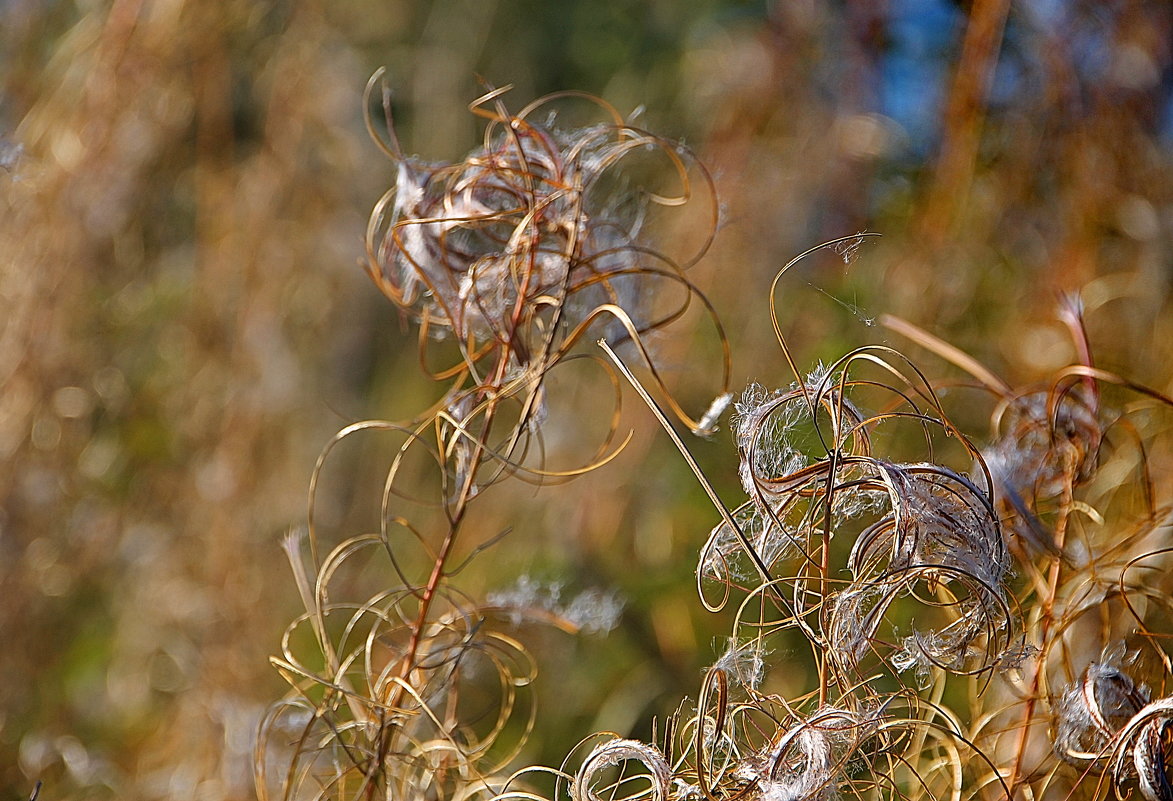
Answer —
983 620
1093 710
520 247
514 254
1012 571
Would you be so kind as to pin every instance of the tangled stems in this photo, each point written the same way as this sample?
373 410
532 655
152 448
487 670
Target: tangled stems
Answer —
933 530
886 581
953 542
515 254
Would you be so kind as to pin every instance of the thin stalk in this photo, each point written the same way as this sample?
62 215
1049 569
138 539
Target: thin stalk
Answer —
1046 620
706 485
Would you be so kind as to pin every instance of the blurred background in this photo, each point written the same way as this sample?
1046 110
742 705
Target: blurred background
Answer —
184 189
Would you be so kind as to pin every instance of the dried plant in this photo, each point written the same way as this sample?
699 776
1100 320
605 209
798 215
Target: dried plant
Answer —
982 620
1001 569
182 186
513 255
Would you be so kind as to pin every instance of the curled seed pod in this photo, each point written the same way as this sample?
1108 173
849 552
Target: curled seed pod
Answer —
1139 750
613 752
1049 442
1093 710
808 761
778 476
977 637
938 517
854 617
763 424
773 468
1148 759
723 557
941 533
528 231
1050 438
743 663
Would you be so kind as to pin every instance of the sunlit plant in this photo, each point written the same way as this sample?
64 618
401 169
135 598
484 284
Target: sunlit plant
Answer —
984 620
515 259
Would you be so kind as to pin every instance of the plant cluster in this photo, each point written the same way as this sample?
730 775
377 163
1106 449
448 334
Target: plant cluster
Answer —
507 259
984 619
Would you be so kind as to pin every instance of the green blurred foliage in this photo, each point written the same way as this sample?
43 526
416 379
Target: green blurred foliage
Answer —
182 324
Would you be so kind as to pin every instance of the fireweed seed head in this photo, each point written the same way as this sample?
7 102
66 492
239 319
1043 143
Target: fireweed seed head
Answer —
810 760
937 517
723 557
853 616
763 425
1149 755
939 531
1049 440
536 228
1140 750
707 426
775 472
1093 710
615 752
766 427
743 663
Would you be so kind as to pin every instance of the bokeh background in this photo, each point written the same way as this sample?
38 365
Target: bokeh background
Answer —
184 189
